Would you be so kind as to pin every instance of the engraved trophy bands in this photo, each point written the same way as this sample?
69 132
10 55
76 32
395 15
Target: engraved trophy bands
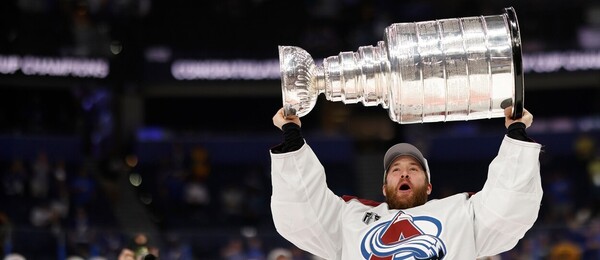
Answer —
443 70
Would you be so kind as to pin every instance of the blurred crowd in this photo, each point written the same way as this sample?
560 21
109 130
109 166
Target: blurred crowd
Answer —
53 210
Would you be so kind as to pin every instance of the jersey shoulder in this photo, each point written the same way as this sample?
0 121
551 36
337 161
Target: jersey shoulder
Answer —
366 202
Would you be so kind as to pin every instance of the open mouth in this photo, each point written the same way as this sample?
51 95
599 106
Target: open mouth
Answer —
404 187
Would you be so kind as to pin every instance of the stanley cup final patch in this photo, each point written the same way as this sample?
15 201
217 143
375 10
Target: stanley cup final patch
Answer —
370 217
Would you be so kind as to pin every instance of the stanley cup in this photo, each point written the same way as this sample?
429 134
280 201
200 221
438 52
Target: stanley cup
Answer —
432 71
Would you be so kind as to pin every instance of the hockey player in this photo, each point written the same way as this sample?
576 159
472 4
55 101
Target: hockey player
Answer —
406 226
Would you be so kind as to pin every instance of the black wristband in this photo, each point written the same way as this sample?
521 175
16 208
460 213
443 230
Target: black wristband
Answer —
289 127
517 131
292 139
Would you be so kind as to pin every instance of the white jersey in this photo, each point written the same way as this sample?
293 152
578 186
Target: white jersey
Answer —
308 214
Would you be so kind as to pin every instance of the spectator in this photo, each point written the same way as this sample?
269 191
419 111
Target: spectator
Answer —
40 176
234 250
592 244
232 201
5 233
255 250
280 254
142 247
15 180
14 192
559 191
14 256
565 250
82 188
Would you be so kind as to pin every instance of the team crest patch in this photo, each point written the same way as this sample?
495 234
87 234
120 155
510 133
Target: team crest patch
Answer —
404 237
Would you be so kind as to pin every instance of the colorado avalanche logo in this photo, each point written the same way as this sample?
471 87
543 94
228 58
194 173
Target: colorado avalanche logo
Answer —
404 237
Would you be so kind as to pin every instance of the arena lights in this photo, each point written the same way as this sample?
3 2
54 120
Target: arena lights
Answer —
555 61
55 66
225 69
559 124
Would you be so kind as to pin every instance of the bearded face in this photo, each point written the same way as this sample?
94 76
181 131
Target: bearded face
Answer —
396 200
406 184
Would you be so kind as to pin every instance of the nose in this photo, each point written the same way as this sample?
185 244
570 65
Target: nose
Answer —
404 174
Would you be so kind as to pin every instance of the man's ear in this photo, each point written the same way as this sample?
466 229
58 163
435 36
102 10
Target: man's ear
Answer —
429 188
383 190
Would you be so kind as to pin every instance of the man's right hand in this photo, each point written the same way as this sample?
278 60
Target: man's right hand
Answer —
526 119
279 119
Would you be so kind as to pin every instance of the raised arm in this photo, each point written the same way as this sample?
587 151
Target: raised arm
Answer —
305 211
509 202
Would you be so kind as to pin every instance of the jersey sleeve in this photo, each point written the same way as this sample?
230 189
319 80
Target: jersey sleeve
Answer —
305 211
509 202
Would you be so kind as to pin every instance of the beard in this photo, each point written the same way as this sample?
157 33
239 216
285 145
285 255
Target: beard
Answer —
417 198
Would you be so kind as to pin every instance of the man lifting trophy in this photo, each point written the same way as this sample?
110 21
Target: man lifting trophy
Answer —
449 69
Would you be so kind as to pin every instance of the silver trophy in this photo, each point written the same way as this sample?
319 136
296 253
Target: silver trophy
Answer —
443 70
